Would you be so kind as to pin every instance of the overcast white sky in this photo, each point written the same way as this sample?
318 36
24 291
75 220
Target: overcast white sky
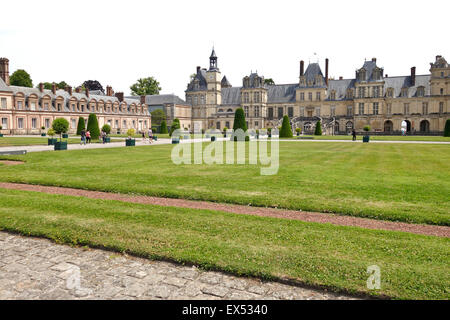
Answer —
117 42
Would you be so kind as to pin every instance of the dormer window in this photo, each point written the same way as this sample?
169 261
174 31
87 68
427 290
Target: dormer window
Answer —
420 91
333 95
404 93
349 94
318 80
390 92
362 75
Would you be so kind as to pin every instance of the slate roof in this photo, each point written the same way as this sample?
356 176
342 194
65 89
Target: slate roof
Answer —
312 71
281 93
225 82
160 99
200 77
3 86
231 96
340 86
397 83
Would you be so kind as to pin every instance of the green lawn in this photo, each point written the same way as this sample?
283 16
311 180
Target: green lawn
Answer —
412 266
402 182
380 138
8 141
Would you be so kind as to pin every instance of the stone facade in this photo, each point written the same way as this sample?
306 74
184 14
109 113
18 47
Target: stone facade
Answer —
418 103
25 110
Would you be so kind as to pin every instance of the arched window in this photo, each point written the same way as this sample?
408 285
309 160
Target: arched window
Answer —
220 110
424 126
230 110
388 126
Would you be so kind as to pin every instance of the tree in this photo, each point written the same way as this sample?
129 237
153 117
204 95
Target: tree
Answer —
163 128
106 128
145 86
239 120
318 131
447 128
92 126
21 78
157 117
48 85
60 126
175 125
81 125
269 81
92 85
286 131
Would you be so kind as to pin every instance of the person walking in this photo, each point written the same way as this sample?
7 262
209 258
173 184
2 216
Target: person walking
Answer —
143 136
88 137
83 137
150 135
354 135
103 137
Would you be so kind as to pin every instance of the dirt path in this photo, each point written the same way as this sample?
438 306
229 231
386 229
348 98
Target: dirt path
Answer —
432 230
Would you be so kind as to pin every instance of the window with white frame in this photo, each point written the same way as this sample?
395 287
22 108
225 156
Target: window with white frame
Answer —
5 123
375 108
47 123
33 105
124 124
20 123
74 123
302 96
19 104
4 103
425 108
33 123
246 111
256 111
318 96
361 108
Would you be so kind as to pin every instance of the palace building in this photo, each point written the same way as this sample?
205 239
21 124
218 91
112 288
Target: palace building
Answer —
417 103
25 110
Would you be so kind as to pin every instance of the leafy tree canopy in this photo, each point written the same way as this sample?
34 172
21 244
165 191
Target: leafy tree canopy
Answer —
157 117
92 85
21 78
145 86
269 81
48 85
60 126
175 125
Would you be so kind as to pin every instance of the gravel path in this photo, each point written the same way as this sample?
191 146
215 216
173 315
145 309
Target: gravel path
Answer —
433 230
32 268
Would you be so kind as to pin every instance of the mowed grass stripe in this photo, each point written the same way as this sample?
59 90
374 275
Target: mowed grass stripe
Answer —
412 266
399 182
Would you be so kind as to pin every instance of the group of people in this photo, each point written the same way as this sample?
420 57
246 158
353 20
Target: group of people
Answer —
150 136
85 137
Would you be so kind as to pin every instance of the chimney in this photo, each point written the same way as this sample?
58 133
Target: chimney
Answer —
68 89
386 76
326 71
78 89
142 99
340 78
54 88
119 96
413 76
41 87
302 68
198 69
4 70
374 59
87 92
109 91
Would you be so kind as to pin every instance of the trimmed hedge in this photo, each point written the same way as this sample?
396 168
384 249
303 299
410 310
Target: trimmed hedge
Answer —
81 125
163 128
447 128
286 131
175 125
92 126
318 131
239 120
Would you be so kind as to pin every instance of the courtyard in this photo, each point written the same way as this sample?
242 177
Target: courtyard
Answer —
389 183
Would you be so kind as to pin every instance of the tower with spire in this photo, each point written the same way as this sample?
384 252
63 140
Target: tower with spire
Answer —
213 80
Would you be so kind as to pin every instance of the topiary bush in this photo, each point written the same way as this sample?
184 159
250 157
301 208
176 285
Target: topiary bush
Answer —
447 128
92 126
175 125
81 125
366 128
60 126
286 131
106 128
51 132
239 120
318 131
163 127
298 130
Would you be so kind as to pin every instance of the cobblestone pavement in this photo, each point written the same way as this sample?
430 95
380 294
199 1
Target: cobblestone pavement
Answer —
32 268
